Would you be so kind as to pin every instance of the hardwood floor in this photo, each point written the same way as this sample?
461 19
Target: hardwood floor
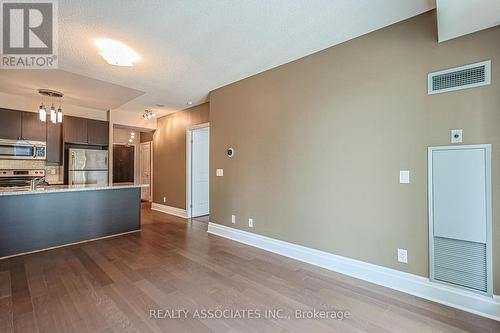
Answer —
111 285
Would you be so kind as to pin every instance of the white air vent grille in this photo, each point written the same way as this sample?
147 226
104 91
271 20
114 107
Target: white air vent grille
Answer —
464 77
461 263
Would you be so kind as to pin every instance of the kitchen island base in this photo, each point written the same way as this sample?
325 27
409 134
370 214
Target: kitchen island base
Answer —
41 221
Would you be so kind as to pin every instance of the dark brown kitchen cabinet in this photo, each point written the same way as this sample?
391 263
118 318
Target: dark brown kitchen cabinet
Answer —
33 128
54 143
98 132
75 130
10 124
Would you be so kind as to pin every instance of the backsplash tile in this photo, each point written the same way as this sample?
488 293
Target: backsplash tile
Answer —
53 174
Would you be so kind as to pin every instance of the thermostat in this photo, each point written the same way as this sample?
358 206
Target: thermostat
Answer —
230 152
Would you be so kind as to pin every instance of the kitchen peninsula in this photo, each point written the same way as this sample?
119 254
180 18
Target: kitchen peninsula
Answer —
53 216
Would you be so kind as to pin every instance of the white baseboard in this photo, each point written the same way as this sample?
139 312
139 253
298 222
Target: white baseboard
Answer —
169 210
408 283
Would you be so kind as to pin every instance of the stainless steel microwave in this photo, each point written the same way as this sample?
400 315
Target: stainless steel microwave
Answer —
22 150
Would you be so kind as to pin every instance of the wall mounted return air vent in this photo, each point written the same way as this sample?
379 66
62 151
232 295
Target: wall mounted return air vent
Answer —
464 77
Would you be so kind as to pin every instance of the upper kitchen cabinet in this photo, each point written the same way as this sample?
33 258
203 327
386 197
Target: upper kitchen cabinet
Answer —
85 131
54 143
32 128
75 130
10 124
98 132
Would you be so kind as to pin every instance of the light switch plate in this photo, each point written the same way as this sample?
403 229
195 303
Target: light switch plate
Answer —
233 219
220 172
457 135
403 256
404 177
250 223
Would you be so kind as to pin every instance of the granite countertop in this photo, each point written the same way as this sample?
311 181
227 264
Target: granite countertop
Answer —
66 188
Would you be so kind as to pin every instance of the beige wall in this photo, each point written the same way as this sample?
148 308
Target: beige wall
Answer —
169 151
320 142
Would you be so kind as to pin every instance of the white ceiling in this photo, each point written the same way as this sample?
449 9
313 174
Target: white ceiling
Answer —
461 17
189 48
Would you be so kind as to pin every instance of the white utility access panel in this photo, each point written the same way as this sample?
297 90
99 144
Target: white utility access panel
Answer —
460 216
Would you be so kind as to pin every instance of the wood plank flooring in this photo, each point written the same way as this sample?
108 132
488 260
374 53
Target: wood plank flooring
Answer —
112 284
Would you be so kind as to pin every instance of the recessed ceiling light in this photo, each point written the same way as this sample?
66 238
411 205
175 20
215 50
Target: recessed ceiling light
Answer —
116 53
189 103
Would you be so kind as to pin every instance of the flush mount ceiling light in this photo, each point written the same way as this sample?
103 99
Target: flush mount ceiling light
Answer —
116 53
148 114
50 96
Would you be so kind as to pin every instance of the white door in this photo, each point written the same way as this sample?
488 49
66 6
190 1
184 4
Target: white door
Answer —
200 145
460 215
146 170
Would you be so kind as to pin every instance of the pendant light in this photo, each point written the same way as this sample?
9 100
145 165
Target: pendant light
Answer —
56 116
59 115
53 114
42 113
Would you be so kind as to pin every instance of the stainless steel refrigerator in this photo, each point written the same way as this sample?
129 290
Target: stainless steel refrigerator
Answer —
87 166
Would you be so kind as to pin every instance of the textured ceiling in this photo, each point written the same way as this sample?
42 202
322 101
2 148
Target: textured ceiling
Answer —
189 48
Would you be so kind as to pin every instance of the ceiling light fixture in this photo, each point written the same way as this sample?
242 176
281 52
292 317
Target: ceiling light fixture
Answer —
148 114
52 96
42 113
53 114
189 103
116 53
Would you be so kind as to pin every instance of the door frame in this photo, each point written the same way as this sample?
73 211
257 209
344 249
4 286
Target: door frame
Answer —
189 135
150 144
489 226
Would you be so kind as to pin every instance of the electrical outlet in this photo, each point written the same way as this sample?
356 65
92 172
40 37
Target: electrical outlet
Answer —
250 223
233 219
164 199
219 172
403 256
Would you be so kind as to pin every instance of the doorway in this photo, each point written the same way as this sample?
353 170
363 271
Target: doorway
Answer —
123 164
146 171
198 165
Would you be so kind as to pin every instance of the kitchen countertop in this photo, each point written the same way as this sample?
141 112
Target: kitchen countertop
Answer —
65 188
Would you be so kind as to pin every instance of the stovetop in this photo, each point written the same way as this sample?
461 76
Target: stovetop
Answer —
21 178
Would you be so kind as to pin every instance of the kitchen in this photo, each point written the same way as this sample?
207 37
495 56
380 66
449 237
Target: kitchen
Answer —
58 166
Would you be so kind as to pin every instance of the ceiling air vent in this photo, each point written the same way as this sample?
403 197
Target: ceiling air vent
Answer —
464 77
